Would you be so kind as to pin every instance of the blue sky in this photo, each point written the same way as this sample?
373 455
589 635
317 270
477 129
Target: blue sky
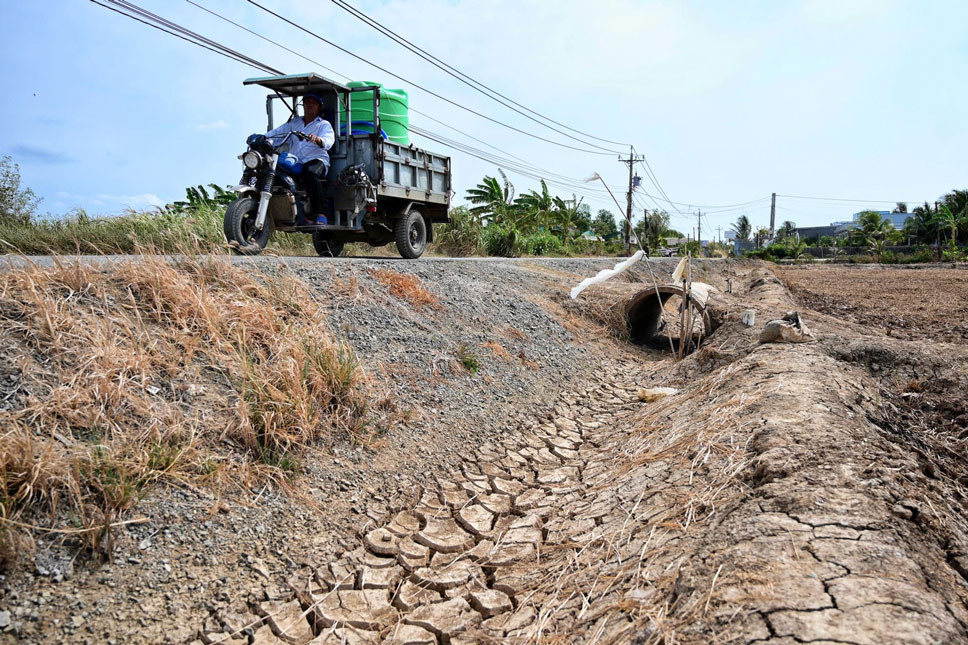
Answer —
859 99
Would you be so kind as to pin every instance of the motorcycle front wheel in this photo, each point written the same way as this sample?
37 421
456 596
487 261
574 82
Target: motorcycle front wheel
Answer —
239 227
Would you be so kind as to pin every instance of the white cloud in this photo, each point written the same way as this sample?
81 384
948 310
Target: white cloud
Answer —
134 201
215 125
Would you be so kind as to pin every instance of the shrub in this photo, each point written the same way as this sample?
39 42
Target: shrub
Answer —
541 244
17 205
920 256
468 358
888 257
500 241
462 236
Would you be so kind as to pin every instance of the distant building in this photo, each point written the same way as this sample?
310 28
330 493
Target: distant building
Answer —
896 219
834 229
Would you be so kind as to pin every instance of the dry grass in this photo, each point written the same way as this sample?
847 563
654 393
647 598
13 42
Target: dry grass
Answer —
406 287
151 370
498 350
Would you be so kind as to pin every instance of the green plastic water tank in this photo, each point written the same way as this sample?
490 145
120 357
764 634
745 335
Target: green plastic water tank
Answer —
394 112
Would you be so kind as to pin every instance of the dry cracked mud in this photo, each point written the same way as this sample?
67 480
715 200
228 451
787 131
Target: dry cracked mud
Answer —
771 499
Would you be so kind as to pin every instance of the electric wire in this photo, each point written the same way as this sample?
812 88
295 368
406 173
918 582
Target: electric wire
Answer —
347 78
421 87
131 7
268 40
525 169
464 78
237 58
860 201
644 162
500 160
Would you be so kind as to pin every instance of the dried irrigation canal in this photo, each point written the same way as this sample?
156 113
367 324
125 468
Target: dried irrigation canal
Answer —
785 493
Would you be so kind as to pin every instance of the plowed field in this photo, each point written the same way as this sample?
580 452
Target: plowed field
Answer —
902 302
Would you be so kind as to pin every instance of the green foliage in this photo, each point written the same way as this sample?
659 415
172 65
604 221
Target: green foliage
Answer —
165 231
462 236
17 205
743 228
468 358
604 225
493 202
197 199
500 241
543 243
787 229
875 231
690 248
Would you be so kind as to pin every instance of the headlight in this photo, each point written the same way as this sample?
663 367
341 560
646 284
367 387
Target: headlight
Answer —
251 159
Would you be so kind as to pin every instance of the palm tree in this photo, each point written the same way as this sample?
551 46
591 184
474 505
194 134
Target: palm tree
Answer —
921 224
655 227
743 228
569 217
957 202
762 235
787 229
492 201
537 209
876 231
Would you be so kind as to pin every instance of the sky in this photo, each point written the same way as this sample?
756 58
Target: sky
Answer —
729 102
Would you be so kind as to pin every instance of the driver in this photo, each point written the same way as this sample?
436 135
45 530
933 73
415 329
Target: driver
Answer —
312 152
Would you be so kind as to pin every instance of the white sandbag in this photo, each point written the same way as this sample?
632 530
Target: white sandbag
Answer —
605 274
651 394
789 329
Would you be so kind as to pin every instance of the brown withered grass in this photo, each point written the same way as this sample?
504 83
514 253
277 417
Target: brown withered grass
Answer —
152 369
406 287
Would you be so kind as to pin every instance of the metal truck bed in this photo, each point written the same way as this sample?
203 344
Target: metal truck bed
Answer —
398 172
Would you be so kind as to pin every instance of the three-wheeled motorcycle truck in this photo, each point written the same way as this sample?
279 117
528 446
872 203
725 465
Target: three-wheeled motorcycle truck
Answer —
377 191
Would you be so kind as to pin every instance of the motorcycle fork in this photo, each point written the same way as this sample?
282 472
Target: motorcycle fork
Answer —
266 193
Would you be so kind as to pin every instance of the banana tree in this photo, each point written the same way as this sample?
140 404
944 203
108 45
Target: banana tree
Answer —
493 200
537 210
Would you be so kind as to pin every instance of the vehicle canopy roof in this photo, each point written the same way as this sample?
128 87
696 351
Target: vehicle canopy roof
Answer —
297 84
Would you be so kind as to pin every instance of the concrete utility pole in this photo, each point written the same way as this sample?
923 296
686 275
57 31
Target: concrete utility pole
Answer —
699 231
772 214
628 210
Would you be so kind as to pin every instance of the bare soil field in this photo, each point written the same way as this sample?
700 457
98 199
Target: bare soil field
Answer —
928 303
529 490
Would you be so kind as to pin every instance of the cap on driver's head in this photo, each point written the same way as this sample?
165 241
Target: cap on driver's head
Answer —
313 96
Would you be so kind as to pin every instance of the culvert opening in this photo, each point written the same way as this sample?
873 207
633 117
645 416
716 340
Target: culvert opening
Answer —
653 319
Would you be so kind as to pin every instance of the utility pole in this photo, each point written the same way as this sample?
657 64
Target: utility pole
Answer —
628 209
772 214
645 227
699 231
719 234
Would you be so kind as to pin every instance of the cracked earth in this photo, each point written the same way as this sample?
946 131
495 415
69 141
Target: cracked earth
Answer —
758 504
784 493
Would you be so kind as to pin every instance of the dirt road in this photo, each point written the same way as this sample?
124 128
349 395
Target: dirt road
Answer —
780 495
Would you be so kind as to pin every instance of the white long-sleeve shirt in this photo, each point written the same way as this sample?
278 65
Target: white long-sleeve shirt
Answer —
307 150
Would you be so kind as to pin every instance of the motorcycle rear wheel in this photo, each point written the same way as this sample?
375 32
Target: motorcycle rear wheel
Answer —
239 227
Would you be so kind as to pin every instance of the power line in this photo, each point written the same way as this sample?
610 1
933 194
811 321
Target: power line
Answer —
420 87
644 162
332 71
464 78
511 167
188 37
523 168
861 201
258 35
